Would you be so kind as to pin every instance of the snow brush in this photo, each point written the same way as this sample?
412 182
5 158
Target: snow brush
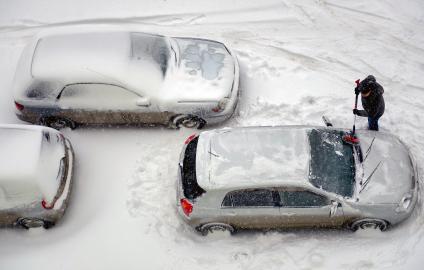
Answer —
350 137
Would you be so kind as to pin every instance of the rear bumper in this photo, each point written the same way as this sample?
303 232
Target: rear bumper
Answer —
63 200
30 118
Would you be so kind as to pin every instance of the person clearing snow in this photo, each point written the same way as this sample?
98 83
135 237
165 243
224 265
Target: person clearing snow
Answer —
372 101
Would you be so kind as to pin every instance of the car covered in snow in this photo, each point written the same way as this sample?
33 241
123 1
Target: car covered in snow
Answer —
35 175
294 176
63 80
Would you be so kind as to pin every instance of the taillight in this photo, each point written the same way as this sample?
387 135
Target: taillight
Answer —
19 106
46 205
186 206
190 138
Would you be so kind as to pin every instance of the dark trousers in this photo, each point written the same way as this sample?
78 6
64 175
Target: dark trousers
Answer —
373 122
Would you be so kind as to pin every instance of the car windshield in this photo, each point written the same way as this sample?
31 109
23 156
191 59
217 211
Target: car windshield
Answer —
332 165
151 48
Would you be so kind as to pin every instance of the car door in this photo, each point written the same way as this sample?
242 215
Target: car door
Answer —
146 111
95 103
251 208
90 103
304 208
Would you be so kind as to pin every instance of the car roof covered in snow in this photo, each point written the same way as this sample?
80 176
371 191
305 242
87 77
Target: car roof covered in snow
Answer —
119 58
27 163
253 157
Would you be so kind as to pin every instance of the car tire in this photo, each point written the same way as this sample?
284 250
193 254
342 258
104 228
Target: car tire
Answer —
28 223
215 227
188 121
57 122
369 223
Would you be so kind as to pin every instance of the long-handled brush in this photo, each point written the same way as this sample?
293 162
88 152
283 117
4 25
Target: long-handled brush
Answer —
351 137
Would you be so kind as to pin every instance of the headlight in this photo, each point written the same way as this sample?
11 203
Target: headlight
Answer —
404 203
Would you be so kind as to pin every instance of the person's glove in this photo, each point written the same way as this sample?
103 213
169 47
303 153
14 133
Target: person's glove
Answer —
355 111
357 90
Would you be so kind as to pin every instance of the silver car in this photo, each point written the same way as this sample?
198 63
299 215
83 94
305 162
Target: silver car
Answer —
294 176
125 78
35 175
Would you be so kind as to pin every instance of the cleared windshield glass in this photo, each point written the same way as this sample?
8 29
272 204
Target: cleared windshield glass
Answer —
147 47
332 165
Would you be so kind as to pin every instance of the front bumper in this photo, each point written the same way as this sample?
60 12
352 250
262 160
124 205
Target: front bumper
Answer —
230 109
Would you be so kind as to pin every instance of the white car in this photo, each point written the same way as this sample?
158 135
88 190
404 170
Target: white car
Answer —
125 78
35 175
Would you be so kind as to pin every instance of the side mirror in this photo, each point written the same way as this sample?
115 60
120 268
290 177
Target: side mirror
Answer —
334 206
143 102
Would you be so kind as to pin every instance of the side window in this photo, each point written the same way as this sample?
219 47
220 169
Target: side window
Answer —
251 198
97 96
302 199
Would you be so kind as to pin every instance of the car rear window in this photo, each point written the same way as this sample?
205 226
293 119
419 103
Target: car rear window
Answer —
190 187
332 165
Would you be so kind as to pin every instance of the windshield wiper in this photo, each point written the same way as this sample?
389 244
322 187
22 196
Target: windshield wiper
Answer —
369 149
173 50
364 184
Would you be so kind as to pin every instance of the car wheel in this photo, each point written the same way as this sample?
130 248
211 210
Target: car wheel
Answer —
29 223
58 123
216 228
369 223
188 121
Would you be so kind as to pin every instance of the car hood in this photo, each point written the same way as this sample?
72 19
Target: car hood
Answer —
205 71
388 165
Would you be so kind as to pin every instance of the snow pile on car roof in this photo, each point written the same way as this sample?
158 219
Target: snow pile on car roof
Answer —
248 157
109 57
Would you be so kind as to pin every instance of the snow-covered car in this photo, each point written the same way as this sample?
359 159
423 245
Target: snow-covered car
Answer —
63 80
35 175
294 176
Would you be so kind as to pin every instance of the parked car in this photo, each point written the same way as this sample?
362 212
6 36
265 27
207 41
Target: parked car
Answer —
294 176
35 175
68 79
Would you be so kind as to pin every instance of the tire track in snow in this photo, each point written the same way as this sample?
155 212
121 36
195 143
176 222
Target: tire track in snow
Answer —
368 14
170 19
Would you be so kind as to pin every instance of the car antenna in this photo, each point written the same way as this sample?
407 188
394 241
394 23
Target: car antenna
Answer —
369 149
350 137
369 177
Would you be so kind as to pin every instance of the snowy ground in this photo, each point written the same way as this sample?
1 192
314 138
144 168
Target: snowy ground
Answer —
298 59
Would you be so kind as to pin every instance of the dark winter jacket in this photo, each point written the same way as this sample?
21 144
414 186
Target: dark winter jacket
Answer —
374 103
